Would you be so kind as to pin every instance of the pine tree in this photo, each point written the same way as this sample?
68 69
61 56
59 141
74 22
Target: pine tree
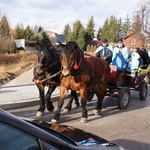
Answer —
90 29
114 26
110 30
6 43
28 33
77 34
67 29
20 32
4 28
103 31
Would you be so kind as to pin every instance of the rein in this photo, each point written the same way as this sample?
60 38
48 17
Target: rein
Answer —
52 65
52 76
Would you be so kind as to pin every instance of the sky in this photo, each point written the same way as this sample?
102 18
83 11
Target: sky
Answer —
53 15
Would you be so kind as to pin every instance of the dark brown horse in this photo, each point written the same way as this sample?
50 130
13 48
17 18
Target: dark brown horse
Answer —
81 73
47 72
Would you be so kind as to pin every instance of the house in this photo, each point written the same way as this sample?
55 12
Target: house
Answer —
30 45
23 44
133 40
52 36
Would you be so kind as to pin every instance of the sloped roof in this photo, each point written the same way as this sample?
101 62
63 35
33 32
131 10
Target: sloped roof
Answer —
129 35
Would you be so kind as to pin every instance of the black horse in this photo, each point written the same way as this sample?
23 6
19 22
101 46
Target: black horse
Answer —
47 70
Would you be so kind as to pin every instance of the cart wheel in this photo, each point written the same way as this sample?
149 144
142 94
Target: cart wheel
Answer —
143 90
124 98
89 96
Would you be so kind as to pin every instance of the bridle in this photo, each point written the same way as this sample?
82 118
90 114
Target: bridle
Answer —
52 62
77 63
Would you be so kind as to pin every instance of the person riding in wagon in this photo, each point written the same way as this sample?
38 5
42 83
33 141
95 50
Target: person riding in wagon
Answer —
104 51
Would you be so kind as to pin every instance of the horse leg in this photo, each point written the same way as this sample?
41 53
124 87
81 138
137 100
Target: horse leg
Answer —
75 96
49 104
60 104
83 104
100 92
72 96
42 101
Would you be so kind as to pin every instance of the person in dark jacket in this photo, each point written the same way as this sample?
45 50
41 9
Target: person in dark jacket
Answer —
144 54
104 51
58 46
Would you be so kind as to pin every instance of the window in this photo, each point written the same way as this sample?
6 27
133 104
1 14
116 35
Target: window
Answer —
133 41
14 139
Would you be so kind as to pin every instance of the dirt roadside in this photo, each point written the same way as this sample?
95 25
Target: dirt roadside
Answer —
24 78
14 65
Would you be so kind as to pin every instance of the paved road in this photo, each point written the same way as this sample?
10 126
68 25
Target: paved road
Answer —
129 128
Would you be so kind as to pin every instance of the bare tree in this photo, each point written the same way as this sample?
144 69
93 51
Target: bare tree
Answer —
136 24
144 13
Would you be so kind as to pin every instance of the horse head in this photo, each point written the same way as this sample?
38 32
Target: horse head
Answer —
72 58
46 57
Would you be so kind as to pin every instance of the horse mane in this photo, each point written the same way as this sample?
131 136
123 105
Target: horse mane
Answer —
72 46
45 42
47 48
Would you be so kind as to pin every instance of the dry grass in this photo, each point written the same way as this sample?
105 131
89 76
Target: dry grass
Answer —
15 64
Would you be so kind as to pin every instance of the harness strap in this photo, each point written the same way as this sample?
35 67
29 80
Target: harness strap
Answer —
92 74
52 76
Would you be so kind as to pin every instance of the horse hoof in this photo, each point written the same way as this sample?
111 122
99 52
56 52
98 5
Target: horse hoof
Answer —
39 114
66 110
83 120
96 112
54 121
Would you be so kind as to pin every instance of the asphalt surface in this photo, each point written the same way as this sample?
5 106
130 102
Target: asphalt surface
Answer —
21 92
